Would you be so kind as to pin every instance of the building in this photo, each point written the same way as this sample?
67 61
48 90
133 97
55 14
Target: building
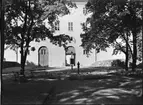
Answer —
47 54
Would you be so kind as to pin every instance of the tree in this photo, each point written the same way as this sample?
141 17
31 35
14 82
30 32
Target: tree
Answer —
24 21
111 20
1 33
123 46
134 23
3 6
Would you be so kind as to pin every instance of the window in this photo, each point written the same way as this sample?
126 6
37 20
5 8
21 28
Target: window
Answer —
43 51
70 26
84 11
84 52
57 25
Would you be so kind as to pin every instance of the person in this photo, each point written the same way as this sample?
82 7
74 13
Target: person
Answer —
78 66
72 60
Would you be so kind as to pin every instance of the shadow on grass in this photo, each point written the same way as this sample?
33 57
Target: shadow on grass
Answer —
108 91
116 89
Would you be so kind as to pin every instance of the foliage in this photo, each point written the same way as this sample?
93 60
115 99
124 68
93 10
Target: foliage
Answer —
109 21
7 64
118 63
33 49
140 65
96 35
24 23
31 64
26 17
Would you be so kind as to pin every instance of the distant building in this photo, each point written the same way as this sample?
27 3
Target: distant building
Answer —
47 54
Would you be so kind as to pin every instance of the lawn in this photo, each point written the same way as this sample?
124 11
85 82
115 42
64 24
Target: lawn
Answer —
27 69
116 89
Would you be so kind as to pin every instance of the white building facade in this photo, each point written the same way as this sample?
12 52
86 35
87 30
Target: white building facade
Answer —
47 54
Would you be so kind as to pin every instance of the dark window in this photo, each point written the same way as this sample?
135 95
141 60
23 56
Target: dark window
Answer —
84 11
70 26
44 51
84 52
41 51
57 25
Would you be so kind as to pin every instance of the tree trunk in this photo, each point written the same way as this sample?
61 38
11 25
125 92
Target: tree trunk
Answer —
2 21
142 42
127 52
134 50
126 61
22 66
142 45
22 60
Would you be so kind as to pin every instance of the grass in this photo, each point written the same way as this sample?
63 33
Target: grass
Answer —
112 90
116 89
14 69
27 68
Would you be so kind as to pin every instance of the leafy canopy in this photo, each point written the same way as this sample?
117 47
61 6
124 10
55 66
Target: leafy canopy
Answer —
109 21
24 21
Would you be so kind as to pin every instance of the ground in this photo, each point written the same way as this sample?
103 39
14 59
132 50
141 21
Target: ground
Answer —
41 90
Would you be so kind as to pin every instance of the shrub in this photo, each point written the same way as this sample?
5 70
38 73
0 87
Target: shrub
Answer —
118 63
7 64
130 64
140 65
31 64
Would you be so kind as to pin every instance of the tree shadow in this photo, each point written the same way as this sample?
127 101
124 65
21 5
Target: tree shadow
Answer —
121 90
116 89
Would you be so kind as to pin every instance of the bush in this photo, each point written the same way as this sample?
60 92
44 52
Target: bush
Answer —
31 64
140 65
130 64
87 77
7 64
118 63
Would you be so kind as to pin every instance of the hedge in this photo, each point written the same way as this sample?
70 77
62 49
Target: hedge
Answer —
7 64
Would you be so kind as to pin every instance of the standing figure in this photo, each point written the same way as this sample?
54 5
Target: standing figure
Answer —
72 60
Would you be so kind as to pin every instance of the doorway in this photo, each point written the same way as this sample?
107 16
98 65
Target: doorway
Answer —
70 56
43 56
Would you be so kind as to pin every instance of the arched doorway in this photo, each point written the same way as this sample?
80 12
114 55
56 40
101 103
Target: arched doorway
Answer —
43 56
70 54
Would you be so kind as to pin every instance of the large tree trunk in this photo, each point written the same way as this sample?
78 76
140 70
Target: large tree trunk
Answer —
134 50
142 45
126 61
142 41
128 49
2 33
127 52
2 39
23 64
22 59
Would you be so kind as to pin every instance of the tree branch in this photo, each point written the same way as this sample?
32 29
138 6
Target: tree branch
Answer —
127 43
121 49
25 22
